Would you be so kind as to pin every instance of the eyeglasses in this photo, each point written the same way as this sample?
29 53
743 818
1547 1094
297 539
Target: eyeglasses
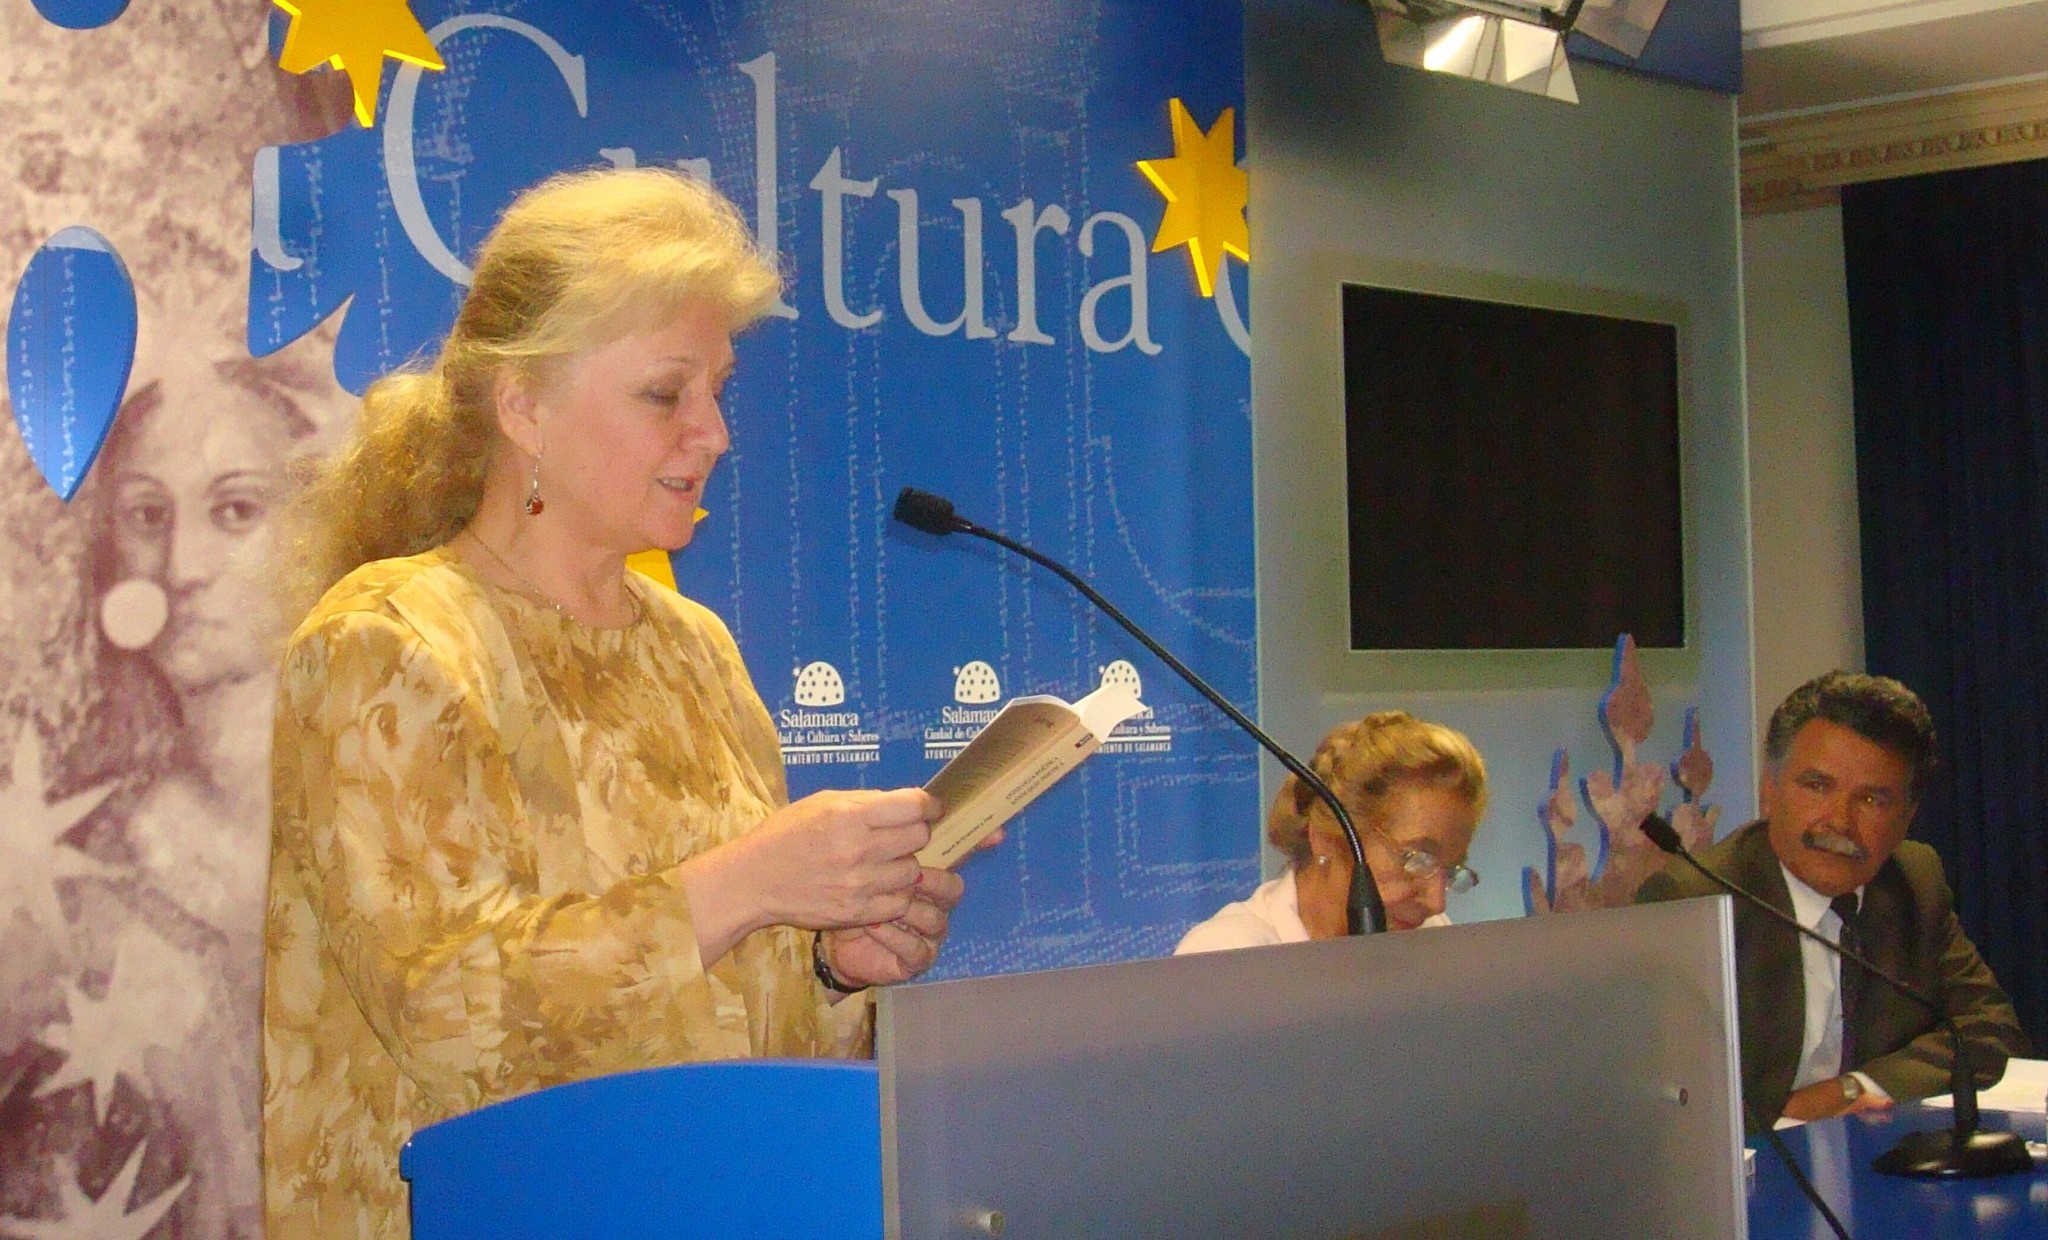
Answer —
1424 864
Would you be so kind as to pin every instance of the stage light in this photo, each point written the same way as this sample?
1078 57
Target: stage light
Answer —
1518 44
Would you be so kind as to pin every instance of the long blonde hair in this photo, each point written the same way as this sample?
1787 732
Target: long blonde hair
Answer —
1364 761
581 259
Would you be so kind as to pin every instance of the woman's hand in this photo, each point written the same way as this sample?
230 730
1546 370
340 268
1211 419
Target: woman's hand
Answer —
842 858
900 949
830 861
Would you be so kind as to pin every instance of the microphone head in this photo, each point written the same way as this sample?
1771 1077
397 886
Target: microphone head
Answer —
921 510
1662 833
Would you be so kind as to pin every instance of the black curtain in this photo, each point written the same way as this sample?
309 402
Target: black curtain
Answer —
1948 315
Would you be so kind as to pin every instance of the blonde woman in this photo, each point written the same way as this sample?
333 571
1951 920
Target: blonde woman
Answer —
1415 791
530 816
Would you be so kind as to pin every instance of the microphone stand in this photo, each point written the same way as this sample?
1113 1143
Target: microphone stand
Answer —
1962 1152
1364 912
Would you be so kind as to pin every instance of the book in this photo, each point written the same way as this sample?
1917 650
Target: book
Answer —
1028 747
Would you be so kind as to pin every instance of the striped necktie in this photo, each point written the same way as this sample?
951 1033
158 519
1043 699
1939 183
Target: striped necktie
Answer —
1846 907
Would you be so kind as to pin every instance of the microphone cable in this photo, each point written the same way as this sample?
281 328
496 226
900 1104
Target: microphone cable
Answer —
1799 1177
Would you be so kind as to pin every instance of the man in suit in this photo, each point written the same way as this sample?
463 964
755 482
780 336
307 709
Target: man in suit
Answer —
1846 758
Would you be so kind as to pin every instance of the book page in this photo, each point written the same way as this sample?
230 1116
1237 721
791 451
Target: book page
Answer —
1030 744
1023 726
1102 710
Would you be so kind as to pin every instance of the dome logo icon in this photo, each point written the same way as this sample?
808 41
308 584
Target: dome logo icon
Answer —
1142 732
818 684
1121 674
975 684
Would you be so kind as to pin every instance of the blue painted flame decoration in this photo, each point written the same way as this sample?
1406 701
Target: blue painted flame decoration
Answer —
80 14
70 347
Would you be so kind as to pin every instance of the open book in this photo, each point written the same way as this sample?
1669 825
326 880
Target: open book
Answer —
1028 747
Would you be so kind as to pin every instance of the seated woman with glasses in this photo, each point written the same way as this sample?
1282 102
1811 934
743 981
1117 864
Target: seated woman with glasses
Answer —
1415 790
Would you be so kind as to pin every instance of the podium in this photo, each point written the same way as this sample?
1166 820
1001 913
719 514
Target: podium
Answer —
1562 1076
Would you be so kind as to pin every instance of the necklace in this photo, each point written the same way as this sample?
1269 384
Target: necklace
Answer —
540 594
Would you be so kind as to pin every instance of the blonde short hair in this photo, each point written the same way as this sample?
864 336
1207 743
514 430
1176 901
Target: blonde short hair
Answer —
1364 761
575 262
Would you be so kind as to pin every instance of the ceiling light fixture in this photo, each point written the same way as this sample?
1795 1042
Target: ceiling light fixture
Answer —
1518 44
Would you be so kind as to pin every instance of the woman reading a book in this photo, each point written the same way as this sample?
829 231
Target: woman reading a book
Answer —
1415 790
530 817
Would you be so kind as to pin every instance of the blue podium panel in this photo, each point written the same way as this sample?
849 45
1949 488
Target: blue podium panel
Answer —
1836 1154
787 1148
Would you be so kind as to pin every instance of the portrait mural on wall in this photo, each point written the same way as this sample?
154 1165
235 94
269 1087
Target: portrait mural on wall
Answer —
136 634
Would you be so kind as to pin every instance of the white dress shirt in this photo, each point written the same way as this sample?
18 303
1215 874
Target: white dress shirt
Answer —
1271 914
1820 1049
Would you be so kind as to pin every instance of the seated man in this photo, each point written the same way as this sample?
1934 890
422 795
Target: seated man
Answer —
1846 758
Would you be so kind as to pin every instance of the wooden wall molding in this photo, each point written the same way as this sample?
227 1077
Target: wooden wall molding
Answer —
1795 161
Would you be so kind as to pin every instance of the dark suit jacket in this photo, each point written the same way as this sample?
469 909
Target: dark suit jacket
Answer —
1909 929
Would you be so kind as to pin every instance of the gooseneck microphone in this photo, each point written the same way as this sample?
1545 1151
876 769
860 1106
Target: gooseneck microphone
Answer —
1962 1152
1364 913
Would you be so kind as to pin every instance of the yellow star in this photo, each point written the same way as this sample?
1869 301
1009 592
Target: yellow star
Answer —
1205 194
654 565
355 36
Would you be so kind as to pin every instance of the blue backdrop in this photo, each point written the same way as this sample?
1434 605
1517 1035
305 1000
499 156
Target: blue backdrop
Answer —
971 308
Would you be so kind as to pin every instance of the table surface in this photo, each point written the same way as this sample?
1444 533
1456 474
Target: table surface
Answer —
1837 1154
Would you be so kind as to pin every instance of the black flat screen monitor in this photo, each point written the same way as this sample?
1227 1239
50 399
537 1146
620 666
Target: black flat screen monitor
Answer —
1513 475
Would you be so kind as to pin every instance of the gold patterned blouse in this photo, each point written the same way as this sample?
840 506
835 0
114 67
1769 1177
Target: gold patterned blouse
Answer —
479 808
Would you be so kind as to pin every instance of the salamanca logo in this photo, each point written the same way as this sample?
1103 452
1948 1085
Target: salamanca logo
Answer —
975 682
832 184
976 689
810 736
818 684
1142 732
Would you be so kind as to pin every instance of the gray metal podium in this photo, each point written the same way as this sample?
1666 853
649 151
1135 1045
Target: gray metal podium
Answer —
1568 1076
1564 1076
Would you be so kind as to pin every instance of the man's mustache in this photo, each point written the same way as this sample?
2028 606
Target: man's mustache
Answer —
1836 843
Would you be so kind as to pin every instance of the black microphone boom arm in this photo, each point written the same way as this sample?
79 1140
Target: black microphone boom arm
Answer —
1364 912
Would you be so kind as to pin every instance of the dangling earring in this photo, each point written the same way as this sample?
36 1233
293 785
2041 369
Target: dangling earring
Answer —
534 504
